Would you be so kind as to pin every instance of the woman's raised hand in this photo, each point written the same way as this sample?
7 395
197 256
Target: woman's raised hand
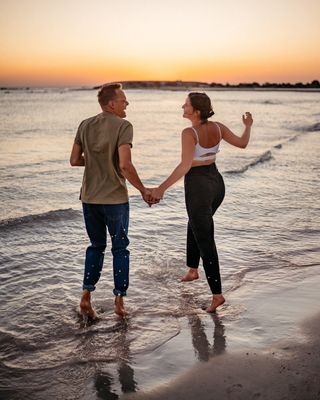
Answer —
247 119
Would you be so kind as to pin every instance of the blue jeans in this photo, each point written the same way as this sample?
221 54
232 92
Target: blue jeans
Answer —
99 217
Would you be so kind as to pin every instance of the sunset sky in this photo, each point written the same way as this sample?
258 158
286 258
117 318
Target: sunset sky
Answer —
89 42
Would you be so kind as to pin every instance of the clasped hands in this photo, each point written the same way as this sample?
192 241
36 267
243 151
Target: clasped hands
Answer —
152 195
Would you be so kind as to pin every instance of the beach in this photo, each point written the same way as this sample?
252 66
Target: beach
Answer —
288 369
263 343
291 370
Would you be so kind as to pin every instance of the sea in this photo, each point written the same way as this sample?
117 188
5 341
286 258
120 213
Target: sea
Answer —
267 235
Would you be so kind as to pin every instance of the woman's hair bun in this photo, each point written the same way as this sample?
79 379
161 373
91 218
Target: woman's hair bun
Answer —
202 103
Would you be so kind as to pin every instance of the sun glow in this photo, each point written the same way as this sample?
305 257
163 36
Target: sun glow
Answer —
77 43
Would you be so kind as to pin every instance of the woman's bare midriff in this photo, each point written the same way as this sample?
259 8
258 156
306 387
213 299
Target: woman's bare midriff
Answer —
201 163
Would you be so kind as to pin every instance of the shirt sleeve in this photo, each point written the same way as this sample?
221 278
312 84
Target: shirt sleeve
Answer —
126 134
77 139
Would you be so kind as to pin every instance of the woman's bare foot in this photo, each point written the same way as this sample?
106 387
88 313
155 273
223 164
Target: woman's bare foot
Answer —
217 300
85 305
191 275
119 307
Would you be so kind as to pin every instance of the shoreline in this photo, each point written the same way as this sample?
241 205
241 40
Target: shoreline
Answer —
271 353
288 371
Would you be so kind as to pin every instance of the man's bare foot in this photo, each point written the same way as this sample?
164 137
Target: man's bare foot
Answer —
217 300
85 305
191 275
119 307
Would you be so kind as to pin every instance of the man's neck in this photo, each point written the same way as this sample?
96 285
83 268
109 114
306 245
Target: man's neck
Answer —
108 110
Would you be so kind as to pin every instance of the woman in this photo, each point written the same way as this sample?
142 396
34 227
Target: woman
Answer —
204 186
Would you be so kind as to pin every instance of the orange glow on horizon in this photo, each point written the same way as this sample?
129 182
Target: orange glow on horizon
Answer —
80 44
75 72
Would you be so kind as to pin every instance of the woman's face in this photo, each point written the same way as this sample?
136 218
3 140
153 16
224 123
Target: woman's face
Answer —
188 110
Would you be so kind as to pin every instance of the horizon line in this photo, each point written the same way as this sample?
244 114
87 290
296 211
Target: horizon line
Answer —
176 82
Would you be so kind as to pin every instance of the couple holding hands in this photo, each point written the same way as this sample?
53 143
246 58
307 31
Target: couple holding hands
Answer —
103 147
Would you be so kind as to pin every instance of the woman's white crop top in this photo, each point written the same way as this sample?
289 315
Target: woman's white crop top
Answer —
200 151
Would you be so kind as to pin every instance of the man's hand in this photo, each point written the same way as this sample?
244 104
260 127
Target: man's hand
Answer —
147 197
157 194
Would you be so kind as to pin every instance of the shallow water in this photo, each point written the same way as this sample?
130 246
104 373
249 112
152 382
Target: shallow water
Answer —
267 233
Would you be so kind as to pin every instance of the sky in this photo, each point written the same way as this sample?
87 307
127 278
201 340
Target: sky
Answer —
89 42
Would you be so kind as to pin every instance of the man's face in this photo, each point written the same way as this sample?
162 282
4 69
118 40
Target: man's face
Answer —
119 104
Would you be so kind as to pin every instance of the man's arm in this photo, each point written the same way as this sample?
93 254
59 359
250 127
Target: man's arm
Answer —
129 172
76 156
127 168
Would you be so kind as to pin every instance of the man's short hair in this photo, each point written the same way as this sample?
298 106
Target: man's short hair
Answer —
108 92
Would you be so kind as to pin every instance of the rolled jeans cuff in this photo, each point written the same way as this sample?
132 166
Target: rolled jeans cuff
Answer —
117 292
91 288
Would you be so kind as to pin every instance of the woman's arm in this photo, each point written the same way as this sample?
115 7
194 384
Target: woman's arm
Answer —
238 141
187 152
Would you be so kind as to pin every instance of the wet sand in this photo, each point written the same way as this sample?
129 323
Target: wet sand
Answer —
272 353
289 371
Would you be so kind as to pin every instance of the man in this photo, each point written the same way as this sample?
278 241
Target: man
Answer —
103 146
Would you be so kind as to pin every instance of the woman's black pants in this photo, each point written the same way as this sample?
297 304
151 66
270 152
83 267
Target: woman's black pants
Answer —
204 192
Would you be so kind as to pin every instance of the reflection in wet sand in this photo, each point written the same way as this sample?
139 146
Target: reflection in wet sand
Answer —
203 349
219 339
105 383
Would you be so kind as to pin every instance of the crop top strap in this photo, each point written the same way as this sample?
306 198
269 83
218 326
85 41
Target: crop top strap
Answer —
194 130
219 131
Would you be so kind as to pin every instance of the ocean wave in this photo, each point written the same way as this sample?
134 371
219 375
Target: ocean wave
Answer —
237 279
313 127
272 102
301 131
54 215
266 156
35 164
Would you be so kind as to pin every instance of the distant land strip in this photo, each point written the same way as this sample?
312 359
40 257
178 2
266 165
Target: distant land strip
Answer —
187 85
178 85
